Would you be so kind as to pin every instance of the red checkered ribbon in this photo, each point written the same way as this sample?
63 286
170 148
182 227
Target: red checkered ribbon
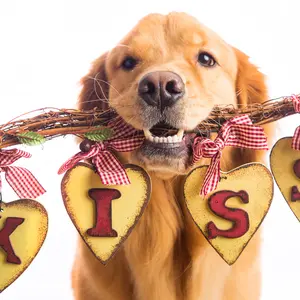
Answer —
20 179
296 137
110 170
237 132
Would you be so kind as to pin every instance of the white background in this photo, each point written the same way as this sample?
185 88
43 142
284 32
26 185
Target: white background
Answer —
46 46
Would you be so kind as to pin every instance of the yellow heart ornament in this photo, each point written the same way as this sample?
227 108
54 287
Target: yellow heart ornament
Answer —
285 166
229 216
23 229
104 215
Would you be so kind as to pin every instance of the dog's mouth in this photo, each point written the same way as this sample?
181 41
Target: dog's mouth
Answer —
164 135
167 148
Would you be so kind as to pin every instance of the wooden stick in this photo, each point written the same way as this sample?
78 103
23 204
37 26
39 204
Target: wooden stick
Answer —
53 123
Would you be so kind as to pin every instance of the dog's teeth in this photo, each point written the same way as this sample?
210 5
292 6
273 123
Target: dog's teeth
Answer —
180 134
177 138
147 134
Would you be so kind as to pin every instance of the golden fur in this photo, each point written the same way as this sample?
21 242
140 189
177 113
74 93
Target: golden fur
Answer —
166 257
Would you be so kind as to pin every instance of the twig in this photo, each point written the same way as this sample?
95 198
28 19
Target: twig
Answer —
52 123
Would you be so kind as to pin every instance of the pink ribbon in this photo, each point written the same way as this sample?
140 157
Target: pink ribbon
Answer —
296 137
237 132
20 179
108 167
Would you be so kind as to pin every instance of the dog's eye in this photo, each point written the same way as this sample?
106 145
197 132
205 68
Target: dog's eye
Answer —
129 63
206 60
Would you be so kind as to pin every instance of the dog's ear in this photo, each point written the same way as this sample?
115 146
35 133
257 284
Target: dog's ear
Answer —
95 86
250 82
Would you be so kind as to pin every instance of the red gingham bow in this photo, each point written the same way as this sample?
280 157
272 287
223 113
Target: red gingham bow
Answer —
110 170
296 138
20 179
237 132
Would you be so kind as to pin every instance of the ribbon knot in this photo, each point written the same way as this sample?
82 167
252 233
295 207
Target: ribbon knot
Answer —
110 170
237 132
20 179
101 146
296 137
204 147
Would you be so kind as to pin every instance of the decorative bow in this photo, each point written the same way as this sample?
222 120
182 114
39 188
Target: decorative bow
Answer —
296 137
20 179
110 170
237 132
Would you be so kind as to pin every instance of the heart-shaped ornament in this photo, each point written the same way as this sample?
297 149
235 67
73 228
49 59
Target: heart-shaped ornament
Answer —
285 166
104 215
23 229
229 216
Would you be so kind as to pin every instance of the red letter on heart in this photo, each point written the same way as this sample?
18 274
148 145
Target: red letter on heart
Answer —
10 226
239 217
295 192
103 199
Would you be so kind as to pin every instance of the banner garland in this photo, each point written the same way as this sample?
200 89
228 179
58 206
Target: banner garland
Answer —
106 132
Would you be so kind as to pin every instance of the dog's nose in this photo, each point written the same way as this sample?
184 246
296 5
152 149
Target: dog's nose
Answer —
161 89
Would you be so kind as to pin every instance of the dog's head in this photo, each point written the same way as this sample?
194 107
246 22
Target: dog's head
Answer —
170 71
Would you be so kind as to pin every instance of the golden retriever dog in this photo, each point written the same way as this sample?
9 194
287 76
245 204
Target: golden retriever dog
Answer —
171 71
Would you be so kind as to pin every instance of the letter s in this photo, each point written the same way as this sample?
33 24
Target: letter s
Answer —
239 217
